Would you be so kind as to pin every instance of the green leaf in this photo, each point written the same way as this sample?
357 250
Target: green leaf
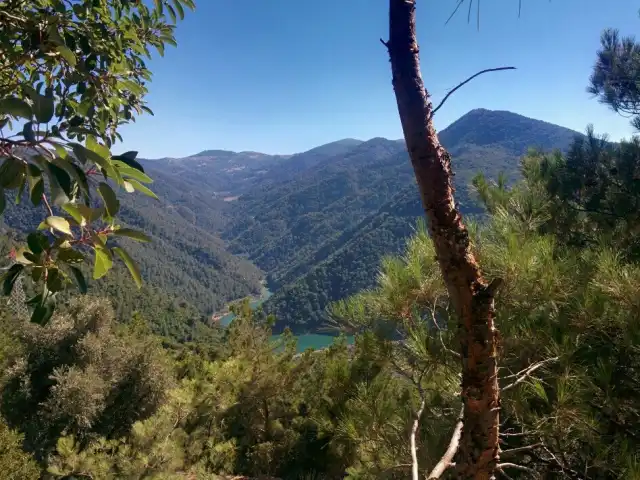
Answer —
27 132
70 255
36 184
3 201
160 49
83 154
130 159
54 280
43 105
59 183
141 188
94 146
10 276
36 273
130 233
16 108
128 171
35 300
169 39
172 13
60 150
67 54
11 172
179 8
58 223
81 179
103 262
73 210
43 313
99 240
79 152
111 202
25 257
37 242
131 265
80 280
62 177
88 213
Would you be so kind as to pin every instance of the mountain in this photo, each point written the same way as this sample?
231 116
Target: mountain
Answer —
189 273
320 236
315 223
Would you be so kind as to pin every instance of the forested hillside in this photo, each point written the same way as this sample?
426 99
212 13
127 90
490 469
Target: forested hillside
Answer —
320 235
184 261
315 223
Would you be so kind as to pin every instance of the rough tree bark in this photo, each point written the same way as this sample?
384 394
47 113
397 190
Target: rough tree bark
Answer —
471 297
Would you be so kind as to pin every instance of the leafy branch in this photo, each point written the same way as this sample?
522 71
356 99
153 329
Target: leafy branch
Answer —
77 75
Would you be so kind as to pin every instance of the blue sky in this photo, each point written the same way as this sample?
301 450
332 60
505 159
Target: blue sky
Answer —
283 76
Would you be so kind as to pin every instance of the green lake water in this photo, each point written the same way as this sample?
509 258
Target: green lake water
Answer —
314 341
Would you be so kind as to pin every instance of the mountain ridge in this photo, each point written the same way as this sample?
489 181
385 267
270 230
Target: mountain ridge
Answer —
314 223
344 262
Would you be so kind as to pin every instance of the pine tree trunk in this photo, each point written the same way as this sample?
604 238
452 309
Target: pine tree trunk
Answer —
477 455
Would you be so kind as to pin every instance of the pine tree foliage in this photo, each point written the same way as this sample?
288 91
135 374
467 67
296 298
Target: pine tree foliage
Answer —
15 463
81 376
614 79
568 313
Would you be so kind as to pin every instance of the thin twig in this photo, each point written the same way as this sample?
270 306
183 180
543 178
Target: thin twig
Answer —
46 204
460 2
520 449
435 322
447 459
515 466
527 373
412 439
461 84
504 474
508 434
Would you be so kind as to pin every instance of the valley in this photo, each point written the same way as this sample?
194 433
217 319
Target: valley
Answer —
318 222
310 227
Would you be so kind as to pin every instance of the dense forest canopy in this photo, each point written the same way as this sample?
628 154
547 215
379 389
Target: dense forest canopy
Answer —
119 382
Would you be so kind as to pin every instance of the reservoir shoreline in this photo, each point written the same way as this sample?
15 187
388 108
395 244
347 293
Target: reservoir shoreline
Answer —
315 341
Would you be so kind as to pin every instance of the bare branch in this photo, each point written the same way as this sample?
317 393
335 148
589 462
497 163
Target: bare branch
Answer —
504 474
532 368
447 459
46 204
515 466
432 310
412 440
511 451
555 462
522 375
461 84
508 434
460 2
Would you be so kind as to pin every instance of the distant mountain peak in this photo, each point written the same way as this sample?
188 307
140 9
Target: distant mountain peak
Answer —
213 153
504 129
